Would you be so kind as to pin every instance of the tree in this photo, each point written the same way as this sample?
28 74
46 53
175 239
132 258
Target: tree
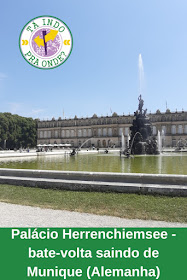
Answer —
17 131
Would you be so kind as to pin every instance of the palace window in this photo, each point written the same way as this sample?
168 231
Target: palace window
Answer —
99 132
79 133
109 131
163 118
120 131
49 134
104 131
180 129
63 134
163 130
56 133
185 129
173 129
174 142
41 134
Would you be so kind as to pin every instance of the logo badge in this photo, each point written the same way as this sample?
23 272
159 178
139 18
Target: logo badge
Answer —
46 42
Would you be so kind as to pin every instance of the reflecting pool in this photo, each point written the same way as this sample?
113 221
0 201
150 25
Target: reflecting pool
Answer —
164 164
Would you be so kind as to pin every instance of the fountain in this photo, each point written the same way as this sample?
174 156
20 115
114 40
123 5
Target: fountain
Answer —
141 73
141 138
181 144
84 143
122 142
159 140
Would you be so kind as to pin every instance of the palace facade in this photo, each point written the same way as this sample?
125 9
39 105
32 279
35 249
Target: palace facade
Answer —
106 131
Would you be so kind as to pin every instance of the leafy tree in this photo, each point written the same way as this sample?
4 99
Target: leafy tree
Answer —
17 131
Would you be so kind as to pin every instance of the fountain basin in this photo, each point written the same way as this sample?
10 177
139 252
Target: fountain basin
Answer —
172 185
166 163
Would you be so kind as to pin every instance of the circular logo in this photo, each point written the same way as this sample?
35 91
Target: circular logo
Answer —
45 42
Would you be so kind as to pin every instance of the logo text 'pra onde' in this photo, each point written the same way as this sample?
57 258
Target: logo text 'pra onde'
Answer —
46 42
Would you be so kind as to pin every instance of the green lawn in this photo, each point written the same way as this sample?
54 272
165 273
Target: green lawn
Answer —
130 206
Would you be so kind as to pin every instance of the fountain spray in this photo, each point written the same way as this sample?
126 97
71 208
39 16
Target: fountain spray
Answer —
141 73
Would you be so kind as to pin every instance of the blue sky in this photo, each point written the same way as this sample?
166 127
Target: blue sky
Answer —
102 72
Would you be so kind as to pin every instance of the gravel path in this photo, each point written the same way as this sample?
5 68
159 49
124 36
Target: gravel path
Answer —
13 215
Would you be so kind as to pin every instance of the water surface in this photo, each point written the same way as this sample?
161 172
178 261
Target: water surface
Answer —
164 164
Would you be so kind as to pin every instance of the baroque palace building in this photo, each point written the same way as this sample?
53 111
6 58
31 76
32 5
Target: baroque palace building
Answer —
106 131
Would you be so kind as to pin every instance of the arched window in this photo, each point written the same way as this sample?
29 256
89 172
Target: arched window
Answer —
180 129
109 131
99 132
120 131
163 118
104 143
49 134
56 133
104 131
41 134
163 130
63 134
173 129
174 142
180 118
185 129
